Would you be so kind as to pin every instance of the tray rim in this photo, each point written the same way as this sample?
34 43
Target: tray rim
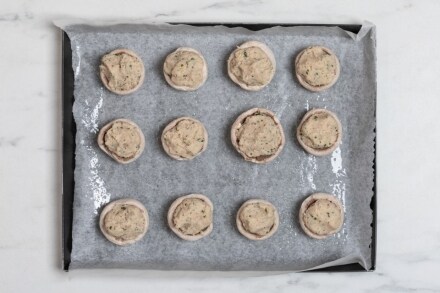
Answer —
69 133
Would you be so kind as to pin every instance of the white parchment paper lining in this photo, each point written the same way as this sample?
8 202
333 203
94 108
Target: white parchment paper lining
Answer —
220 172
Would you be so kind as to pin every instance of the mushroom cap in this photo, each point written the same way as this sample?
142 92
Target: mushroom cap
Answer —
249 235
313 151
109 207
118 159
269 54
309 201
171 125
204 71
141 80
173 207
238 123
315 88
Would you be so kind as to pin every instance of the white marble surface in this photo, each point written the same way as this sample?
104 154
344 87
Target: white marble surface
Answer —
408 136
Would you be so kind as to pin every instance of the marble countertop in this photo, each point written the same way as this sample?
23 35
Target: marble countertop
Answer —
408 250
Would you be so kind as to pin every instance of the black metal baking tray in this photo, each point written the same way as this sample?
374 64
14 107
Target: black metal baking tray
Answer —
68 149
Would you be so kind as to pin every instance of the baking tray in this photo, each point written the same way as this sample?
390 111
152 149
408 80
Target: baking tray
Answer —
69 134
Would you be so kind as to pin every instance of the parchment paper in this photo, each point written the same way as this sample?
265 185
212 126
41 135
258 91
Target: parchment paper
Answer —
220 172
